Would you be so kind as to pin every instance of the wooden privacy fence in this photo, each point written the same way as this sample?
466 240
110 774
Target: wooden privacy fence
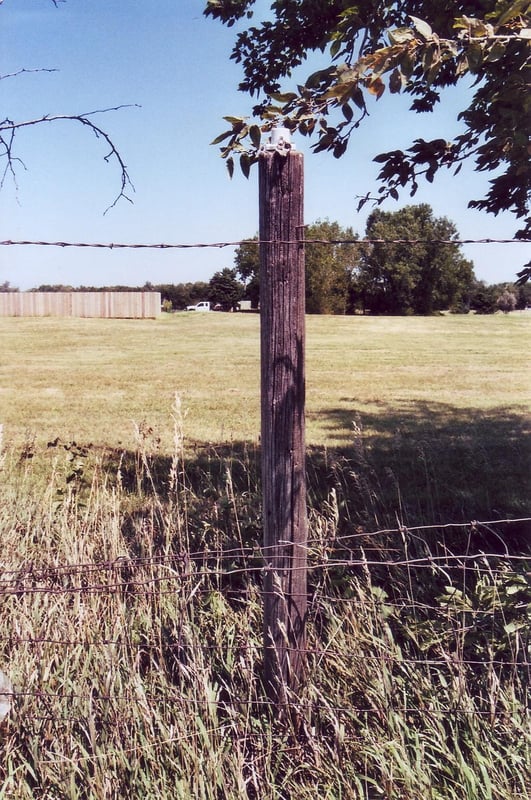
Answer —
125 305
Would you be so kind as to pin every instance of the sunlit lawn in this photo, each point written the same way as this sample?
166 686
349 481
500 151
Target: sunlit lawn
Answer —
92 380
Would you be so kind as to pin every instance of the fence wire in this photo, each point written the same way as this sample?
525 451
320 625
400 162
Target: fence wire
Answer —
257 242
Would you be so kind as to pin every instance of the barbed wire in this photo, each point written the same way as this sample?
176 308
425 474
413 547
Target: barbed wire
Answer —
171 560
203 571
257 242
151 587
321 652
249 735
95 697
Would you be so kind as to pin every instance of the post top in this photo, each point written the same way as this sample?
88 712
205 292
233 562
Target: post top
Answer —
279 141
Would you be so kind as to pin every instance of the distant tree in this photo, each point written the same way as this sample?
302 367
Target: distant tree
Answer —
53 287
506 302
181 295
483 298
247 265
6 287
405 278
523 293
175 294
225 289
329 268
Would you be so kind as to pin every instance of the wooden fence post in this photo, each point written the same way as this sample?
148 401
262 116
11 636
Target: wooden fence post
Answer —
282 307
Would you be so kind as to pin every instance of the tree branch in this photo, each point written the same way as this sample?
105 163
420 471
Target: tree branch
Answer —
8 129
25 71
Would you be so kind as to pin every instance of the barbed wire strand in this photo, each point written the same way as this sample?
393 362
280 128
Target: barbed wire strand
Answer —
241 647
260 552
204 569
246 701
257 242
169 560
127 585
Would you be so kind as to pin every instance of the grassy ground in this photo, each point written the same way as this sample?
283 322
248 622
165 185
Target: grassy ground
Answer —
439 406
57 376
130 566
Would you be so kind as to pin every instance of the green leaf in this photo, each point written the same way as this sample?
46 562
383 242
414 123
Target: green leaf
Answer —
230 166
234 120
422 27
221 137
358 99
282 97
335 47
513 627
495 52
339 148
255 135
271 112
513 11
347 112
395 81
383 157
407 65
401 35
245 164
474 55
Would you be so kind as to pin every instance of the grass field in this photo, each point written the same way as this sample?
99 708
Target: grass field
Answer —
90 379
130 568
439 405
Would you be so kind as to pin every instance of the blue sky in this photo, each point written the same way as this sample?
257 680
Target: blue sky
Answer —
172 62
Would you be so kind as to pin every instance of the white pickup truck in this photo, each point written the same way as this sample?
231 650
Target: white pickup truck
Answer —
204 305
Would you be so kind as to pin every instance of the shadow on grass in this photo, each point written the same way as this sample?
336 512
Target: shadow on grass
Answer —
434 462
416 464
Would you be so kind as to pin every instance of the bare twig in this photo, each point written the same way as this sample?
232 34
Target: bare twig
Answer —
8 129
25 71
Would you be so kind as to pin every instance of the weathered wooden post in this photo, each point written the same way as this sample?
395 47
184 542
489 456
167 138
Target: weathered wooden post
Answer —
281 188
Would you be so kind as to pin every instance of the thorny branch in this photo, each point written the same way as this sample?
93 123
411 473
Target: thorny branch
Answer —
8 129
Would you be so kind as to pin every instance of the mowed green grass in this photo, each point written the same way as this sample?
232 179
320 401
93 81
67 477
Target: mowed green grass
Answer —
93 381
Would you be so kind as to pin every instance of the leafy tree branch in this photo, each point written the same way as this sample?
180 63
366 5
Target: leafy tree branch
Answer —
416 48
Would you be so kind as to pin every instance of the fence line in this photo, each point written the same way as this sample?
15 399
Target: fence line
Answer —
221 573
257 242
321 652
264 703
438 562
105 304
259 551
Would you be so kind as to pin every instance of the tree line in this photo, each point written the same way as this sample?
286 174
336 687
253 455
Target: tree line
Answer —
388 275
409 262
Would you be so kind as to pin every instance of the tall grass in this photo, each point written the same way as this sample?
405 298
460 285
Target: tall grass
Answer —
131 620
